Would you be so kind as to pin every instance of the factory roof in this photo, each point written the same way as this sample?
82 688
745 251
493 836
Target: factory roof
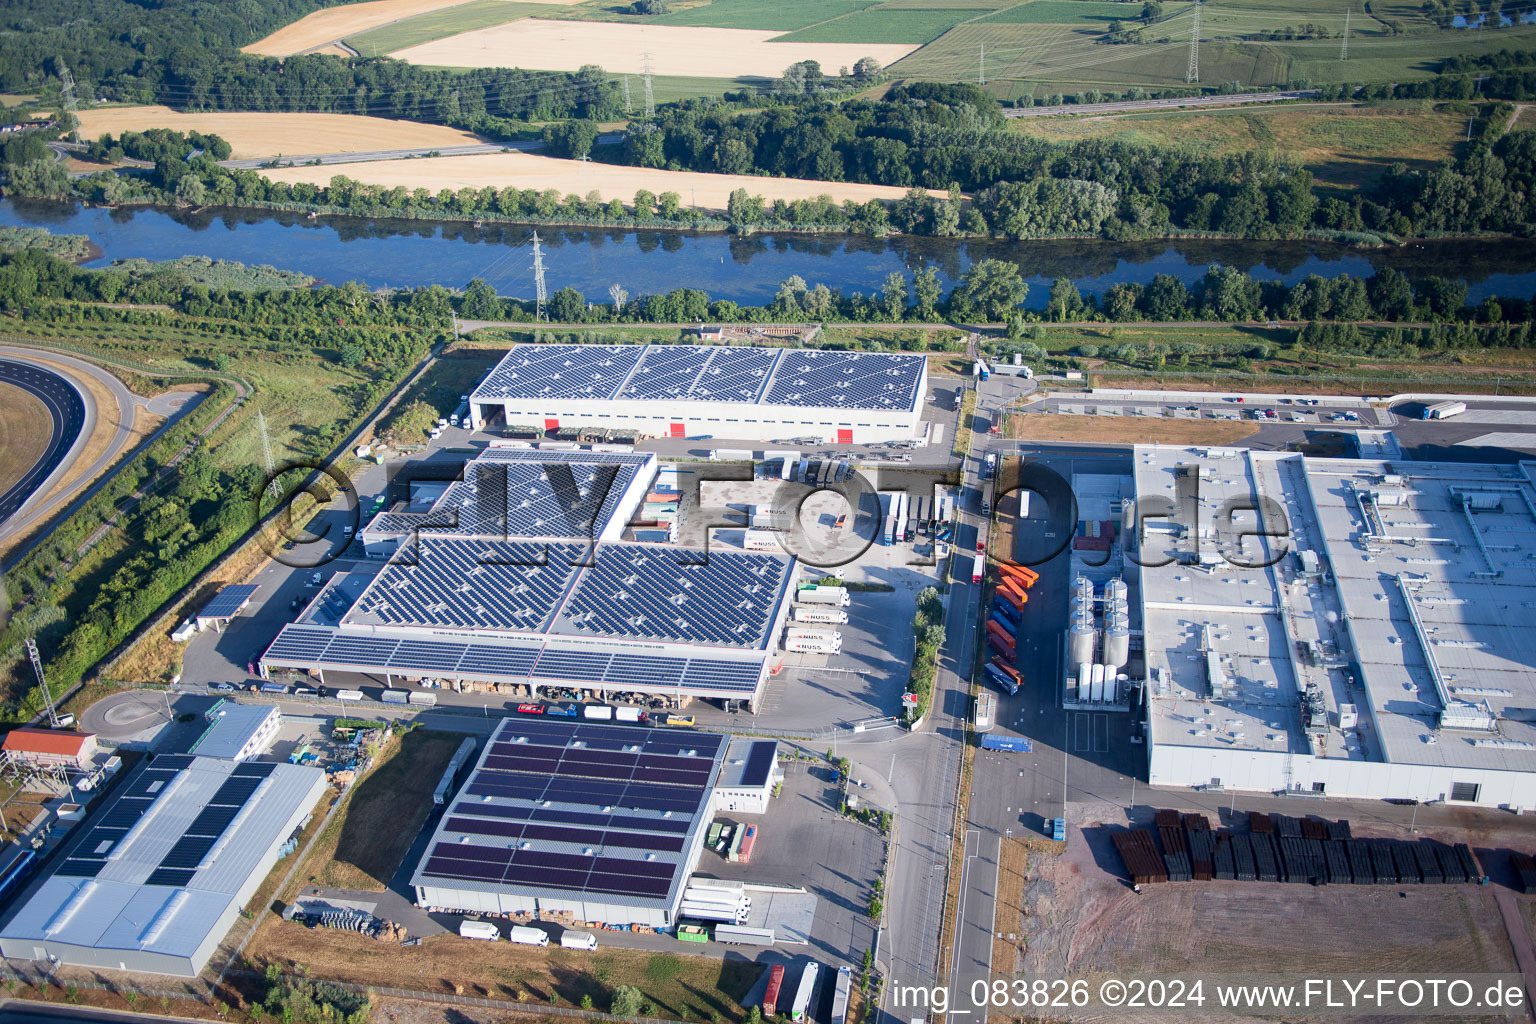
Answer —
1413 612
809 378
572 809
230 728
160 865
57 742
749 764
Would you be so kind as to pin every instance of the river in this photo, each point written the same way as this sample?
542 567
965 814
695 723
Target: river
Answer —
746 269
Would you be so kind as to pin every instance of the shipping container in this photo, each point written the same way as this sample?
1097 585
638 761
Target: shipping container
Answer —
748 841
840 996
692 933
394 697
528 936
484 930
986 712
771 994
349 694
423 699
992 741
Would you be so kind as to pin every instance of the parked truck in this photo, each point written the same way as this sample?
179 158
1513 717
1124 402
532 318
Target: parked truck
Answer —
840 995
634 715
577 940
812 645
734 886
771 994
760 540
712 912
483 930
1443 410
1003 681
817 594
1018 744
741 935
527 936
818 613
803 991
971 564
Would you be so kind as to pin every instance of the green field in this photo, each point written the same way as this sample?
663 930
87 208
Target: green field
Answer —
1064 12
976 6
882 26
781 15
439 24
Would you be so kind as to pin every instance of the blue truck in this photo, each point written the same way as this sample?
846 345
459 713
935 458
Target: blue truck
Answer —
992 741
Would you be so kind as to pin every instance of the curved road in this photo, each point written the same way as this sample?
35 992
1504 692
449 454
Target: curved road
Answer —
66 405
26 517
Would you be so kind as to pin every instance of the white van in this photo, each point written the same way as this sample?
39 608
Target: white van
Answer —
528 936
578 940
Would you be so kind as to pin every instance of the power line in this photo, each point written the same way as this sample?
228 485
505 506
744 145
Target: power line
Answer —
266 454
540 291
1193 74
981 66
650 100
628 106
67 92
1344 47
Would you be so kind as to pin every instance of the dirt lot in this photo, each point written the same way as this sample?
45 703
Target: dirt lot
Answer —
1127 429
25 428
1083 920
545 45
681 987
252 136
364 843
528 171
333 23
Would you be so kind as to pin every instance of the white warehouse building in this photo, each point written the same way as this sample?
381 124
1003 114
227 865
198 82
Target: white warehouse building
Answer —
690 390
1375 646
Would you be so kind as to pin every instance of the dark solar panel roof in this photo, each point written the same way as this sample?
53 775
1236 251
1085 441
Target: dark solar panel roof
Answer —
759 763
710 372
608 810
560 371
847 380
228 601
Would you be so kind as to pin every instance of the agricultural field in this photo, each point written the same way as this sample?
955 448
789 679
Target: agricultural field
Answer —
540 44
260 135
439 24
1064 12
1345 146
782 16
611 181
880 25
325 26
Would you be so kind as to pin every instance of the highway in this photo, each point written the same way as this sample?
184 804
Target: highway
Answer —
66 410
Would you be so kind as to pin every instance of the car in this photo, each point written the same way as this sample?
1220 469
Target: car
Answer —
222 687
303 691
346 531
295 604
530 709
314 579
986 508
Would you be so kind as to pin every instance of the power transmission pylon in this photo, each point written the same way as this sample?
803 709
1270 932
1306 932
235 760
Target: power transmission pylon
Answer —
981 66
1193 75
650 100
67 92
1344 47
37 666
540 290
266 455
628 106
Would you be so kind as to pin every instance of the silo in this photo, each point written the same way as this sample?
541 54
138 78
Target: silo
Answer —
1082 638
1084 674
1109 684
1096 683
1117 624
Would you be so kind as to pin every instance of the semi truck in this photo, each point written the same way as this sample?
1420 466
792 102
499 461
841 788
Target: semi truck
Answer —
817 594
736 887
1443 410
818 613
971 563
1004 681
741 935
803 991
760 540
989 466
840 995
712 912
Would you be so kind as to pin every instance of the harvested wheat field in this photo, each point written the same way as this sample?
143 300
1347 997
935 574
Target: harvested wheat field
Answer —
542 45
1127 429
253 135
317 29
25 429
530 171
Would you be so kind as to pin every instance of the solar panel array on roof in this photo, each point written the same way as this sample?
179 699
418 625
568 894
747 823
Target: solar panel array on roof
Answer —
470 583
309 646
759 763
576 807
640 591
227 601
560 371
851 380
796 377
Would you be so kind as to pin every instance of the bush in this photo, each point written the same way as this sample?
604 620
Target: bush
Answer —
627 1001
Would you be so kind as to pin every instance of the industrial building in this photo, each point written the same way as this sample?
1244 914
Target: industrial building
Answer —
158 875
725 391
747 779
500 586
575 822
1374 645
238 732
49 748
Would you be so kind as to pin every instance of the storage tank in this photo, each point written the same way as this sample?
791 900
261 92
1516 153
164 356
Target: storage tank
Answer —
1117 624
1096 680
1082 638
1084 681
1109 684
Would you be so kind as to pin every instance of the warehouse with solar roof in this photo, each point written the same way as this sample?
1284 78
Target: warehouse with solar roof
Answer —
512 582
685 390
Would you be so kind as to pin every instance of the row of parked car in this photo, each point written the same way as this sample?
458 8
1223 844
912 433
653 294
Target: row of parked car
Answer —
603 713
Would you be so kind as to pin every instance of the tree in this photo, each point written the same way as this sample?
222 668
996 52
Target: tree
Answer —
989 290
618 296
190 190
627 1000
645 204
802 78
866 68
480 302
1167 298
893 297
786 304
926 289
567 306
1066 301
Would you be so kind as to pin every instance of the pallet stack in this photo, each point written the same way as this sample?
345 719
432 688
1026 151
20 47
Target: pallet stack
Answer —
1139 852
1278 848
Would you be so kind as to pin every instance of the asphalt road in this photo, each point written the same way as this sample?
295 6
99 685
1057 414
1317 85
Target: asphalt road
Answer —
1131 106
66 409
